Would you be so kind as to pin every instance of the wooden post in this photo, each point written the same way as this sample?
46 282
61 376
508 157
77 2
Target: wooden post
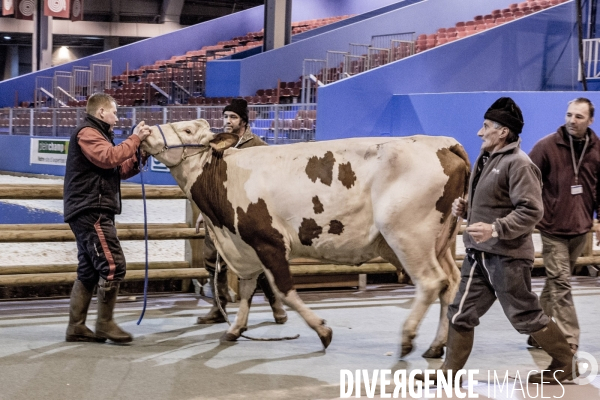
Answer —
193 247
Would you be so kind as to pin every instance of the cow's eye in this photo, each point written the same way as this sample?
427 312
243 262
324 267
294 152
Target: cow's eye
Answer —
188 131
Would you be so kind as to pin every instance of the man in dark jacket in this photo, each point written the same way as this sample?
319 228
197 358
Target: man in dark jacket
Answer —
505 203
569 161
235 116
92 198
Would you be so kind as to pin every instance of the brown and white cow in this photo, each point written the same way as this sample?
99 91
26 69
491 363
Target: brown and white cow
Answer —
342 201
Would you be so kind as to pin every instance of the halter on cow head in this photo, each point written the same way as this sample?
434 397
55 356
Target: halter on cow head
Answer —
175 142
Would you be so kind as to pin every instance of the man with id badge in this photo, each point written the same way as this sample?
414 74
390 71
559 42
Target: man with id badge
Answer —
569 161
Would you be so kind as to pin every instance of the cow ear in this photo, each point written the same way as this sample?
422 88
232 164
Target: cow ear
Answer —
223 141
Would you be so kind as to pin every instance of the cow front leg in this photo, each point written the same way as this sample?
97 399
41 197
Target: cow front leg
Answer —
240 324
281 282
325 333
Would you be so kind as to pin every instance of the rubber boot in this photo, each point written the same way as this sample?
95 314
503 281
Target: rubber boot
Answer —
78 309
531 342
106 327
214 315
279 313
458 349
562 368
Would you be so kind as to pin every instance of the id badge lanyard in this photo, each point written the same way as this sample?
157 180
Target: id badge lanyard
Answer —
577 188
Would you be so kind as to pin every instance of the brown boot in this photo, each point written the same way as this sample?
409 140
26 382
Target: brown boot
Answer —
563 366
458 349
78 309
279 313
531 342
214 316
106 327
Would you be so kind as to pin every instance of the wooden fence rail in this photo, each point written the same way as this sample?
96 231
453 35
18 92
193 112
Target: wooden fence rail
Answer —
65 273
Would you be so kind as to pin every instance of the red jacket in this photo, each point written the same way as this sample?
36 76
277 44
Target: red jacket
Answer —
566 214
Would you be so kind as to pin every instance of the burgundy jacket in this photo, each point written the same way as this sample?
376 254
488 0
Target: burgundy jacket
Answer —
566 214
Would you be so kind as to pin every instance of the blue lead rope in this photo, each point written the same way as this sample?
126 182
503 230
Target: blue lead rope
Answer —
145 237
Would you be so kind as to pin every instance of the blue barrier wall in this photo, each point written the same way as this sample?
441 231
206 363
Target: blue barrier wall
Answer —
303 10
15 157
147 51
285 63
537 52
460 115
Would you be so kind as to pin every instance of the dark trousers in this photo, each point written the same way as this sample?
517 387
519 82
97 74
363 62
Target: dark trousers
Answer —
486 277
98 248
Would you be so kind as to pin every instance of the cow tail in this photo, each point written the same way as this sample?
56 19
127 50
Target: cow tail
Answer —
451 225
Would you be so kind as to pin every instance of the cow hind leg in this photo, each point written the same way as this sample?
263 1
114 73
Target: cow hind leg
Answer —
240 324
446 297
429 279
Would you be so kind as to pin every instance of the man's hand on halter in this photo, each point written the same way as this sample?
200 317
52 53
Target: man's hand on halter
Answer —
459 208
142 131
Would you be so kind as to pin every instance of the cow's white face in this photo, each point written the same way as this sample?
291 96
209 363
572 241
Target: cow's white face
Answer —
178 141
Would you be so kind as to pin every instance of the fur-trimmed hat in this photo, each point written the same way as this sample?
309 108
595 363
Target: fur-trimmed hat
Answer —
506 112
240 107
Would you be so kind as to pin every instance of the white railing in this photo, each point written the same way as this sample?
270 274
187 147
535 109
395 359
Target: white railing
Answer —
591 59
276 123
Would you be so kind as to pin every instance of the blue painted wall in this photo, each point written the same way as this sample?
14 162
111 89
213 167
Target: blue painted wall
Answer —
537 52
460 115
147 51
286 63
16 214
17 159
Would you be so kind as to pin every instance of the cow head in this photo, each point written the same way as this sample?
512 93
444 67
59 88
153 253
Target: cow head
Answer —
174 142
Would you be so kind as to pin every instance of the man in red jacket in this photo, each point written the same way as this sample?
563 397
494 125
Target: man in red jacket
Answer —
92 198
569 160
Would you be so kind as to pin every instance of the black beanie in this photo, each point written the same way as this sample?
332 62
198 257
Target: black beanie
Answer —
240 107
506 112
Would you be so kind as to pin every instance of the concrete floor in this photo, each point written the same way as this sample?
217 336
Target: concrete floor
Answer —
171 358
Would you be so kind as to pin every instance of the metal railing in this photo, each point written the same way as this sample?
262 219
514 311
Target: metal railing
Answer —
591 59
276 124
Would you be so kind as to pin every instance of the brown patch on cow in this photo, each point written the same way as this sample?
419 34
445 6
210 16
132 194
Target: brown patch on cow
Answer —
317 205
308 231
321 168
346 175
335 227
455 162
256 228
210 194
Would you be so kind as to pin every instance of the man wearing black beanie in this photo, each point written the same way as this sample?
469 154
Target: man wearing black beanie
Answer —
235 121
505 203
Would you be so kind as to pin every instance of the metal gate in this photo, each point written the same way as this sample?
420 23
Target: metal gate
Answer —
335 66
43 96
312 78
63 89
101 75
356 60
82 83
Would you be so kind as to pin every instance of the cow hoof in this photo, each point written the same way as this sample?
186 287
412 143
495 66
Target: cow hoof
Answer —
228 338
326 336
434 352
406 350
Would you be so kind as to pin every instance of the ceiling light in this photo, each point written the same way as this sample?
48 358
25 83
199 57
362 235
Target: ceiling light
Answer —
7 38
